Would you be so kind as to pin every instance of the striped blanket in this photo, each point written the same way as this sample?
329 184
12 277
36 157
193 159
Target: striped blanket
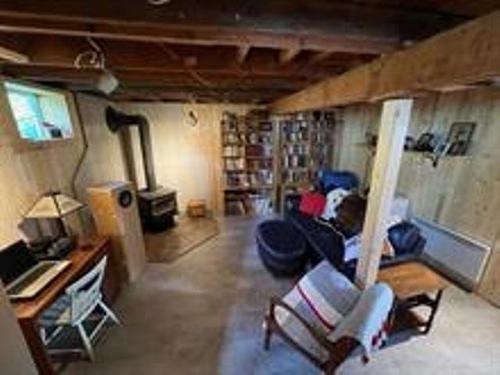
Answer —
328 301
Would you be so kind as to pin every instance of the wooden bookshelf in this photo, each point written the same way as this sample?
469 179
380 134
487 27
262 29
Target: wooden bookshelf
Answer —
248 144
305 146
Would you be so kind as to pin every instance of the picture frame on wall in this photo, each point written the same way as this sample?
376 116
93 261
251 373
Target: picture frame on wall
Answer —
459 138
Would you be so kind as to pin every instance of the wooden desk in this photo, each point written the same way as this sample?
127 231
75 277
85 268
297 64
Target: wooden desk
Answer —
413 283
28 311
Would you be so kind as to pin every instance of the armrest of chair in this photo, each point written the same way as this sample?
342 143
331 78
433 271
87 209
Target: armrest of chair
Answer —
278 302
338 351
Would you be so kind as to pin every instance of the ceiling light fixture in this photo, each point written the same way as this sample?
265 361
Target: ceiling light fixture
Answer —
107 82
94 58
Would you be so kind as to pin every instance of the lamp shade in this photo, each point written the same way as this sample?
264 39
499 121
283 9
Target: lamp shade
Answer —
53 206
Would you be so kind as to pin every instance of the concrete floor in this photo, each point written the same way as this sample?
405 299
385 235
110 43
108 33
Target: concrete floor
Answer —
203 314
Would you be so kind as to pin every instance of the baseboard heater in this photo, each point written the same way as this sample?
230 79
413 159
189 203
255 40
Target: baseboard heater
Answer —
460 258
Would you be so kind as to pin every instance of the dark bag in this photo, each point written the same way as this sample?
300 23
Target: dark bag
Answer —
351 215
405 237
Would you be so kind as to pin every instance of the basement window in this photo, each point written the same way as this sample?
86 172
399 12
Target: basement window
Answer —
40 115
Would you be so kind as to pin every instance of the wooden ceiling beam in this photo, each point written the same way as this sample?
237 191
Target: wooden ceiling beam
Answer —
201 96
253 73
341 18
8 54
183 92
60 52
466 54
150 78
286 56
191 88
242 53
202 35
319 56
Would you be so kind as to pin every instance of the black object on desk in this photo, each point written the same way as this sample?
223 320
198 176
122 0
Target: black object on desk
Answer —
24 275
48 248
14 261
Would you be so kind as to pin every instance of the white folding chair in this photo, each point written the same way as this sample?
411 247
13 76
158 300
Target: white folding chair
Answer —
81 299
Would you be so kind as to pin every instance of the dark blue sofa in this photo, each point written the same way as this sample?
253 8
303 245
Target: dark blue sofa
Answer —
325 243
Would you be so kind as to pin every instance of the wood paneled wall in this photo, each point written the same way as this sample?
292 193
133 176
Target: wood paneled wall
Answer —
352 152
187 158
461 193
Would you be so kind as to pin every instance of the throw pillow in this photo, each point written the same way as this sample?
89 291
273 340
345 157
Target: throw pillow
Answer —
312 203
333 200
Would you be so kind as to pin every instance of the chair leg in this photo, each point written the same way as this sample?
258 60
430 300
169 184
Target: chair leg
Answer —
43 335
109 312
330 369
267 334
47 339
86 341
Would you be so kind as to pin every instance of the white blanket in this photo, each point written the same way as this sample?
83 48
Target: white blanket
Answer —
367 321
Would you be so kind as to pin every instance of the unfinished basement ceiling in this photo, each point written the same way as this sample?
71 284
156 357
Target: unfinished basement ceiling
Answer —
236 51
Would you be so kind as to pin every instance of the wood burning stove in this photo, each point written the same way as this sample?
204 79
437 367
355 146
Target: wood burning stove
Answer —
157 204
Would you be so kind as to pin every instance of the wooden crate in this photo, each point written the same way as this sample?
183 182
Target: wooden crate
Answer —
197 208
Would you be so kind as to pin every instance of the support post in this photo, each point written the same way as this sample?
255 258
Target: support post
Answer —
394 125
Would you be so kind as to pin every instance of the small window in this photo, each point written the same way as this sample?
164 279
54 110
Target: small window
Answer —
40 115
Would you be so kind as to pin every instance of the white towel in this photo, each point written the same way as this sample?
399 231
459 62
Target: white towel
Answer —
367 321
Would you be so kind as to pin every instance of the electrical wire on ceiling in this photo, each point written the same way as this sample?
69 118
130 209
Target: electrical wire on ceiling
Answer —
91 58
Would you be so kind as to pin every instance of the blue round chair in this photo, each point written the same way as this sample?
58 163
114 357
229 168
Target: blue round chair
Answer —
281 247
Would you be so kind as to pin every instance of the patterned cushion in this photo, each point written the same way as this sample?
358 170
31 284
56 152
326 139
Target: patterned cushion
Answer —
322 297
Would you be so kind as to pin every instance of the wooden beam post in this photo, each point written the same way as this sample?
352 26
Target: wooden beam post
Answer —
395 119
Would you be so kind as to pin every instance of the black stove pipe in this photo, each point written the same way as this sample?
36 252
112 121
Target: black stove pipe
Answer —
116 120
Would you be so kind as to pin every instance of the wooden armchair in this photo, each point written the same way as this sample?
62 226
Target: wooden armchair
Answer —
338 352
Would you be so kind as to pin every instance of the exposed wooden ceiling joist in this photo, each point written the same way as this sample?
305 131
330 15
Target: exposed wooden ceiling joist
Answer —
468 8
8 54
287 55
201 36
320 56
53 52
200 94
333 17
216 43
356 27
241 53
152 78
466 54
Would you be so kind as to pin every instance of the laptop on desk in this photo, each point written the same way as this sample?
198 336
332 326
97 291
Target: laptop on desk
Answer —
23 275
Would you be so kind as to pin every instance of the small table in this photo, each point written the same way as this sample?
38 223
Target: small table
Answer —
414 284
